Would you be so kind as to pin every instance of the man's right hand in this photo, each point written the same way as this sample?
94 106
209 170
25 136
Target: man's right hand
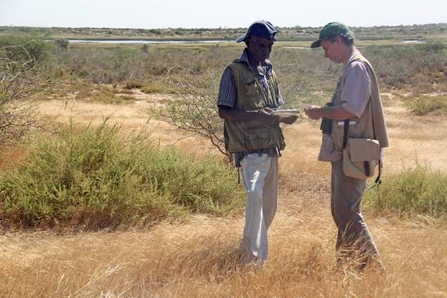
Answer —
313 112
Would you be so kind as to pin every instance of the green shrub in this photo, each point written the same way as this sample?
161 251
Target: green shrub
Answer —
152 88
132 84
416 190
409 66
24 48
423 105
62 44
145 48
433 46
95 177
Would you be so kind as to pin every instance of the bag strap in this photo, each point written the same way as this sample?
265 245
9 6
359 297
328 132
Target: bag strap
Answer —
345 133
378 181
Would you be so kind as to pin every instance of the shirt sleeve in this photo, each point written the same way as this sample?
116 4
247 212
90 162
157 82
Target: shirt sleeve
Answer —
357 89
279 97
227 89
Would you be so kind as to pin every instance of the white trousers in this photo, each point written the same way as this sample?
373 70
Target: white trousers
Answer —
260 178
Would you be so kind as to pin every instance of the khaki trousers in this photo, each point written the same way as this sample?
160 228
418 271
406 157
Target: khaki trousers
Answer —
260 178
354 239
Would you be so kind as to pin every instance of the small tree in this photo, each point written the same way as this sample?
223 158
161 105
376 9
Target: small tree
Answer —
62 44
193 108
145 48
18 59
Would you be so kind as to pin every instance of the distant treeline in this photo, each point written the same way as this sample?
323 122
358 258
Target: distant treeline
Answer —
426 31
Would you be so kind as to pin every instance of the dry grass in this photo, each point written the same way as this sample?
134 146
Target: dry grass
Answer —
199 258
412 138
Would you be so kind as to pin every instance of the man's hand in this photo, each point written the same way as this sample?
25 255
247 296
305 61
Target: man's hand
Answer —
313 112
266 116
330 112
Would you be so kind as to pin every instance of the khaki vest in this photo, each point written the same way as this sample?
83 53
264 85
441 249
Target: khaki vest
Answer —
371 124
252 135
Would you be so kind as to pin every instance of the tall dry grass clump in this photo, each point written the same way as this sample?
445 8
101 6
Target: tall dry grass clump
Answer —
423 104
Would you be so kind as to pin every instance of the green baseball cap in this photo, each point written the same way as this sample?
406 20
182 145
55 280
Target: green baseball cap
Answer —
330 30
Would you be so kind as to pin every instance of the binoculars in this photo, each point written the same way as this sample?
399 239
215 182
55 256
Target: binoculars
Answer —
326 124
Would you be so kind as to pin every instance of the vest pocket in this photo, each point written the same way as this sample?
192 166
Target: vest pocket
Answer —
258 137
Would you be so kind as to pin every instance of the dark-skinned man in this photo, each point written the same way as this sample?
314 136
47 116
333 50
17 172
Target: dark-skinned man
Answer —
248 96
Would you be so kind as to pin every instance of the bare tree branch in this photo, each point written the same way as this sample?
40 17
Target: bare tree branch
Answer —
193 108
17 83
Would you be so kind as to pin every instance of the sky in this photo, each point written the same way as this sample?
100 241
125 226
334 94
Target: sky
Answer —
157 14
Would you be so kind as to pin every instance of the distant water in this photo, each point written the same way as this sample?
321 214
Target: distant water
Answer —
141 41
414 41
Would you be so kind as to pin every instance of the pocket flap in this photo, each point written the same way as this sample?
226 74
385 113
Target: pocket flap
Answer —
258 132
248 80
363 149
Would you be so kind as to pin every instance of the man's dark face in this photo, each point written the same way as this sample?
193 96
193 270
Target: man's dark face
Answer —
259 48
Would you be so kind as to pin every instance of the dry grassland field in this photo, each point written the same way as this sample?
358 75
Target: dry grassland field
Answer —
198 257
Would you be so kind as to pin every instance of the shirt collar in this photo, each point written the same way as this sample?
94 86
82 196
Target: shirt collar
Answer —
355 53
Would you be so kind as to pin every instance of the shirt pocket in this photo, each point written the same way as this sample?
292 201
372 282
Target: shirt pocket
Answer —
327 149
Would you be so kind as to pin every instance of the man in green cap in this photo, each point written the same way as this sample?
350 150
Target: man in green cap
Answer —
354 111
